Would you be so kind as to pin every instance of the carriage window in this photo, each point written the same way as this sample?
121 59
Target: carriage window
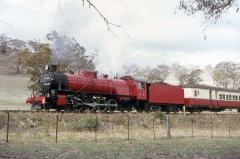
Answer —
141 85
220 96
227 97
230 97
223 96
195 93
236 97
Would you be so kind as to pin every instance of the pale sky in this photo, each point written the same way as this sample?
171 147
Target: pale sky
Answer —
157 34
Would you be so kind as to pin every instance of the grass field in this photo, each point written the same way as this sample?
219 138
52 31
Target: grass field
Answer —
198 148
32 135
13 91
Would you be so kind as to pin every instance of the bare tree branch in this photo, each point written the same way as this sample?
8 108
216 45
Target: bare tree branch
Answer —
5 23
108 23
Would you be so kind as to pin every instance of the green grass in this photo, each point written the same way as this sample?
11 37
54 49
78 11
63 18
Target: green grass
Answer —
173 148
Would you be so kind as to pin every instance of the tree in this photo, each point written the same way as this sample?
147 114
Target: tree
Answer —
4 49
132 70
236 76
194 77
9 48
191 78
21 60
187 76
180 72
160 73
37 62
212 9
224 74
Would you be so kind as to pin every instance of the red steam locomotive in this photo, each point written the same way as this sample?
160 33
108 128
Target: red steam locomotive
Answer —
85 91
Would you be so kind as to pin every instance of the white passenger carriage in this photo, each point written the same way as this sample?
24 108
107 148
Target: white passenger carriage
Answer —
202 97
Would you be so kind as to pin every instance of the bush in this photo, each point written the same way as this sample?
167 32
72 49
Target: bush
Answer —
119 120
87 123
159 115
91 123
3 119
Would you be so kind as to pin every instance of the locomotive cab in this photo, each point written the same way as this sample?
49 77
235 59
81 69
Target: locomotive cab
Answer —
142 88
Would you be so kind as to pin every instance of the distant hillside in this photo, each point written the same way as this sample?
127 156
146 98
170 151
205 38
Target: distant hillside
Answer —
13 90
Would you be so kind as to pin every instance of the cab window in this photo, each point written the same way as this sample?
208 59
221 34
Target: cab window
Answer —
141 85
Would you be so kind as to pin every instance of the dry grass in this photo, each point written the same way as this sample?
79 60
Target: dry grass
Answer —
160 149
13 92
33 135
28 127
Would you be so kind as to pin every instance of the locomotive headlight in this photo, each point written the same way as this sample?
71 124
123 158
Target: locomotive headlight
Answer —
44 101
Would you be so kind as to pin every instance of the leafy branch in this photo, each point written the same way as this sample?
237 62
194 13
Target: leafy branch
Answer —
212 9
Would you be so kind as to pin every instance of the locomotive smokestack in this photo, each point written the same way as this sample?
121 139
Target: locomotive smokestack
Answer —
53 68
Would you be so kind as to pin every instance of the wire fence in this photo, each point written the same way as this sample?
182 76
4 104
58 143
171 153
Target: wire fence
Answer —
66 127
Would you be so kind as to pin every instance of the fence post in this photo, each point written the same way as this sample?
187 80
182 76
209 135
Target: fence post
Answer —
154 137
8 116
96 121
229 129
168 126
212 129
184 110
192 127
56 140
128 129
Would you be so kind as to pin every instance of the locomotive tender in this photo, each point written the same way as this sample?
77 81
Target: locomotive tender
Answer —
85 91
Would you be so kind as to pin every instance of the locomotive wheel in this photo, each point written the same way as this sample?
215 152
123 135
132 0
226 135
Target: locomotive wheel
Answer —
140 110
147 107
90 109
110 104
104 109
